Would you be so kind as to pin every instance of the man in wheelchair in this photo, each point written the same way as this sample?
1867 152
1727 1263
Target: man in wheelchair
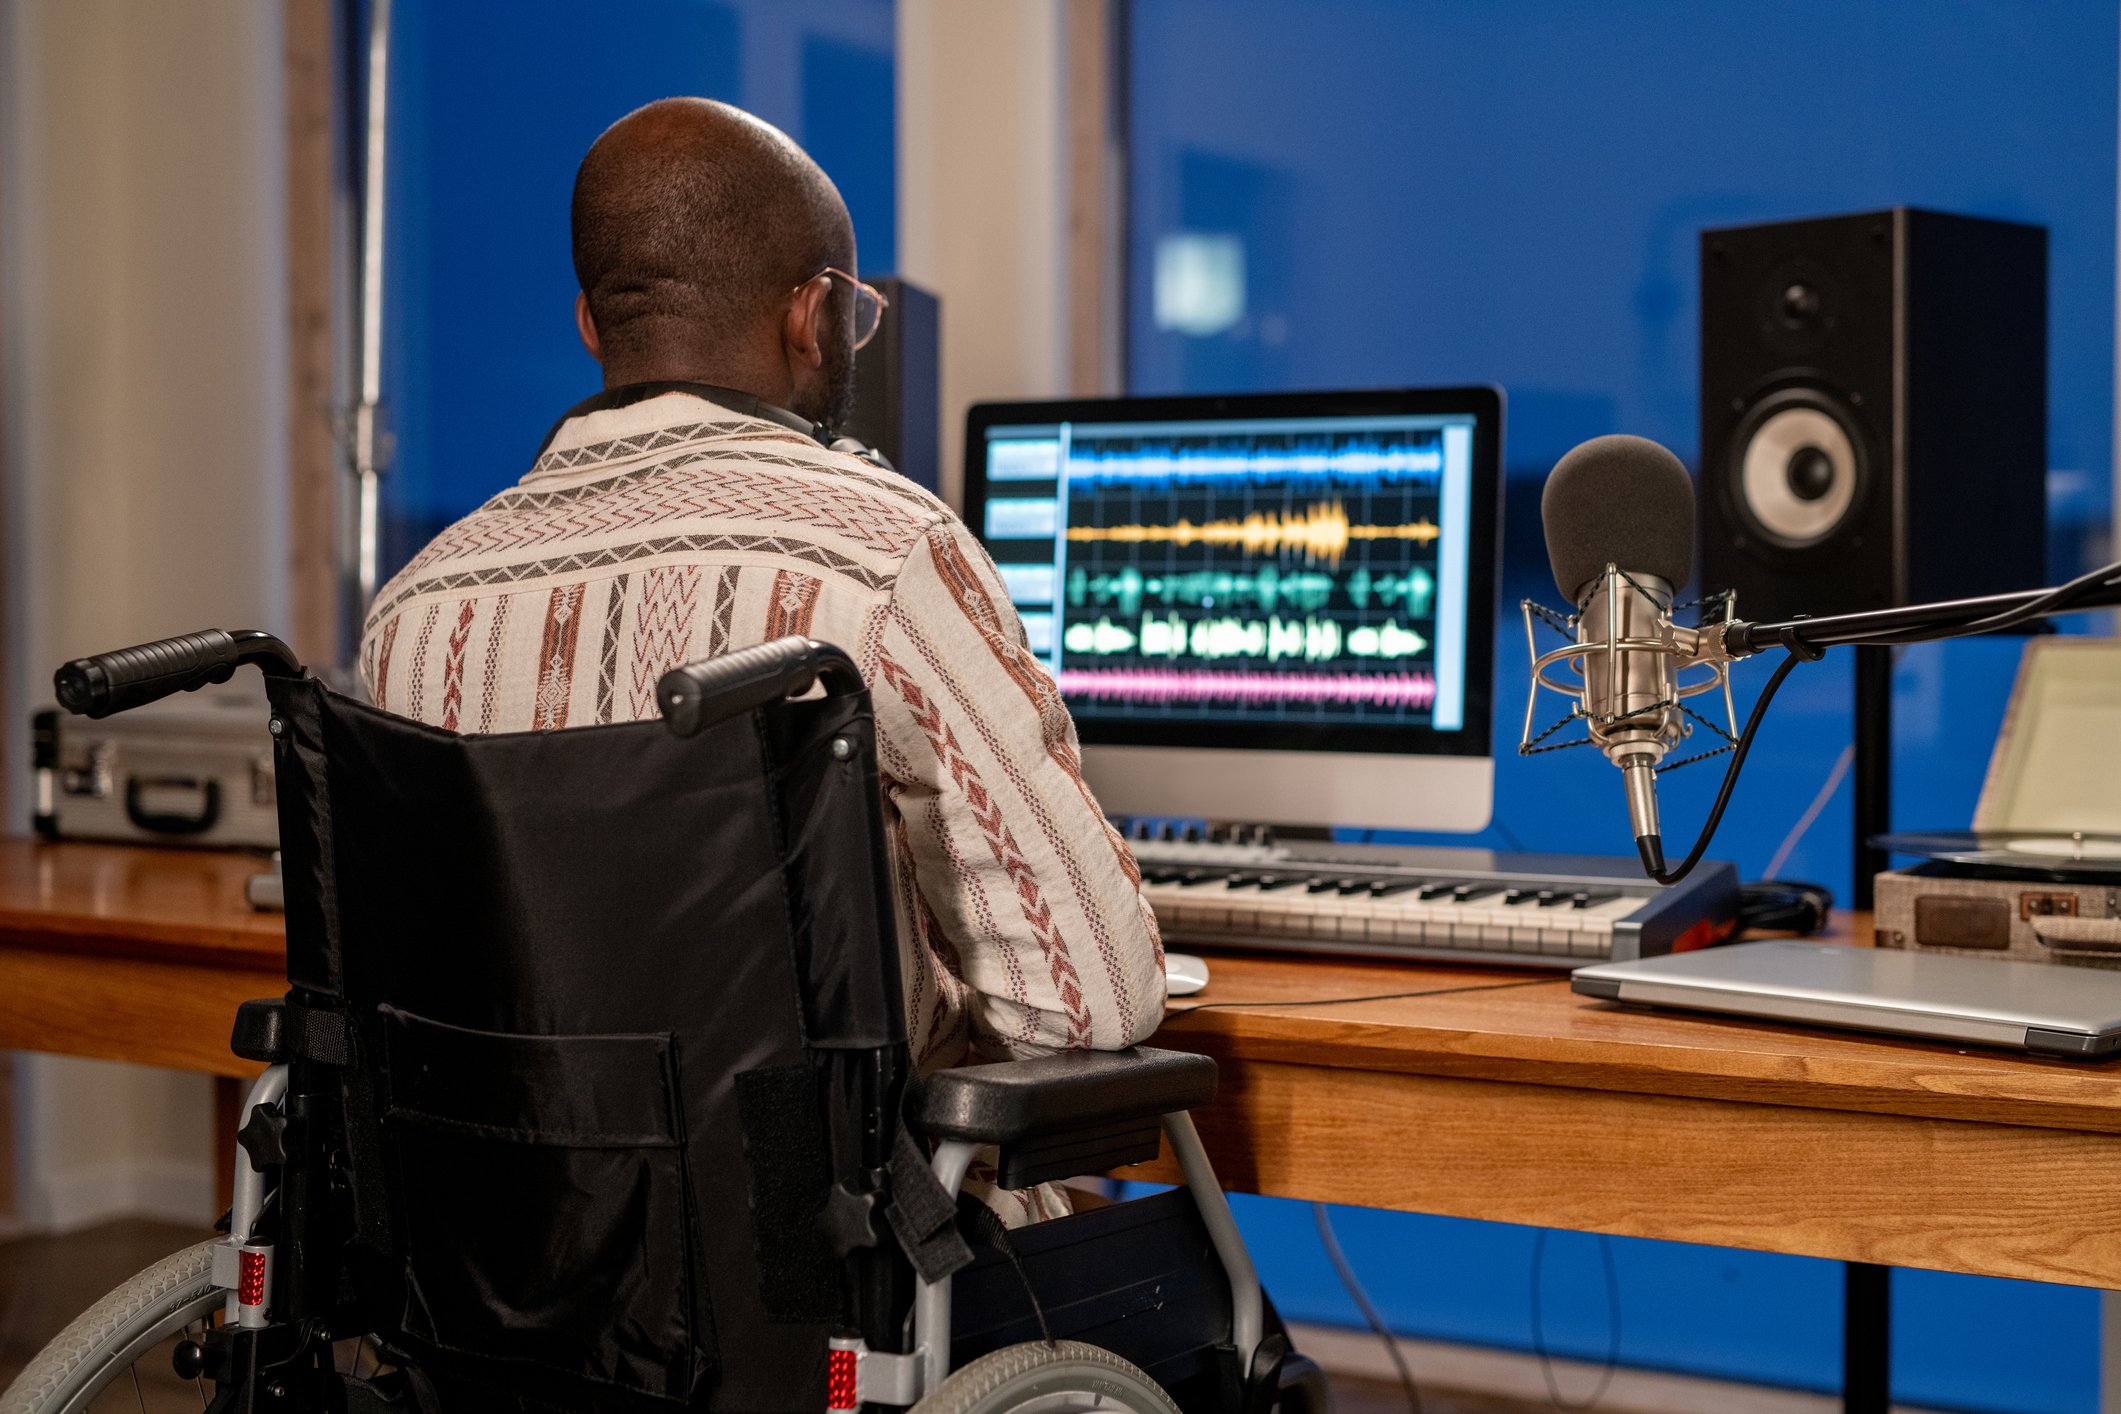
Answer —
702 503
620 1069
592 1090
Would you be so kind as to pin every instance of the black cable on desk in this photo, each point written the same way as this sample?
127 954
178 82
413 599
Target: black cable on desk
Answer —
1170 1015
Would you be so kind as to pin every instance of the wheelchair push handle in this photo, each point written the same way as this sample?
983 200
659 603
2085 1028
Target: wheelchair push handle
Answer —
125 678
697 695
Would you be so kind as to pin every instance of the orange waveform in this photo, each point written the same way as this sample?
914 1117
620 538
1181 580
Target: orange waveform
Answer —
1320 533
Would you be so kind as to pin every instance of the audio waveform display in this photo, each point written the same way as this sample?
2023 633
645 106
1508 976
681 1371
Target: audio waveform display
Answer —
1160 686
1288 572
1310 639
1320 533
1313 461
1267 588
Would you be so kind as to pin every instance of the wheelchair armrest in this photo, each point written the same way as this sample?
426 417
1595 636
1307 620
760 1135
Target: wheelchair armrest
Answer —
1059 1116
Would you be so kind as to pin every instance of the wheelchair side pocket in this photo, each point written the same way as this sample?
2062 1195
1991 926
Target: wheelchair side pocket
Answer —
547 1206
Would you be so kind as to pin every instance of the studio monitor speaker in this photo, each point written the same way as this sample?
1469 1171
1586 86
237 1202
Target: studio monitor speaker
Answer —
1873 411
898 383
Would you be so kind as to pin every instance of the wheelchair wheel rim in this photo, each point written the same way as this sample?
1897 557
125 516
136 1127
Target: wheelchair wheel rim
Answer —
113 1365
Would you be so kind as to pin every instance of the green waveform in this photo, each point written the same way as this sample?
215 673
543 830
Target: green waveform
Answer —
1413 591
1310 639
1266 589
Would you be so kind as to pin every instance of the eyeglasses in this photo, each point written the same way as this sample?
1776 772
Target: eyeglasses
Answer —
869 303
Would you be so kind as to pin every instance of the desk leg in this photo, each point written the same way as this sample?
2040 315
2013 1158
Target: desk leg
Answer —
1866 1339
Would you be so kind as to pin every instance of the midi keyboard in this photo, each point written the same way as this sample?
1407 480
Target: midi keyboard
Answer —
1458 905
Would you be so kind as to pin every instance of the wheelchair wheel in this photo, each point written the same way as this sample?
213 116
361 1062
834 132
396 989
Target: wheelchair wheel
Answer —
1066 1377
116 1338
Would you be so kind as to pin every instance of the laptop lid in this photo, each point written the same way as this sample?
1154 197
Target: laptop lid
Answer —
2043 1007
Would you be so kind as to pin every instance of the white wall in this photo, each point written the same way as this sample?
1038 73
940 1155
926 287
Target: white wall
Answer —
143 355
982 173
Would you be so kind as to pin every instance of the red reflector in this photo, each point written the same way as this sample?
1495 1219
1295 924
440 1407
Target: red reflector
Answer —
250 1285
839 1380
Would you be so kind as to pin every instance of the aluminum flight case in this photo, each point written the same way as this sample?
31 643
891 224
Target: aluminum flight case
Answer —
194 770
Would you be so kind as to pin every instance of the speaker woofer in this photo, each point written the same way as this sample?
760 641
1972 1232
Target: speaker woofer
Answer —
1800 469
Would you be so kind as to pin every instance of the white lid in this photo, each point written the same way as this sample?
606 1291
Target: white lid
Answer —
2057 762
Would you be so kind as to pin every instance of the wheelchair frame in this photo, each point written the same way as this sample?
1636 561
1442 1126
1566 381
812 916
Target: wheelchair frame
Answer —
243 1265
1059 1116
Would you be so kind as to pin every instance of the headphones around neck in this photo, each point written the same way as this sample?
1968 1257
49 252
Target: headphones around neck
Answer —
627 394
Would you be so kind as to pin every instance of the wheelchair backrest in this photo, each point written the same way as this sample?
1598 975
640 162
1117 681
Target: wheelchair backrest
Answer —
621 1012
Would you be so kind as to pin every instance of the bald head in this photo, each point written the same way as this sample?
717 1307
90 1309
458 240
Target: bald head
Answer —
693 222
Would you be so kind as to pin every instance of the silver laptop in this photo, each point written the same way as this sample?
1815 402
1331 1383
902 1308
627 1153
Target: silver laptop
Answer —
2044 1008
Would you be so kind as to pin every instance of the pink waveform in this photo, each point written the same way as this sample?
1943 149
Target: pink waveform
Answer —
1161 685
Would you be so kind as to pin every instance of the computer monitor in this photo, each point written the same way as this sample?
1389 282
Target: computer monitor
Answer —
1275 608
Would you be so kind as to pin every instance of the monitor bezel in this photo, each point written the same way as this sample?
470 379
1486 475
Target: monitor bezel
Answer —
1484 403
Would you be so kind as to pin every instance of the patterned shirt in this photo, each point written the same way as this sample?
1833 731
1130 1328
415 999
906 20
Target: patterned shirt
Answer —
673 529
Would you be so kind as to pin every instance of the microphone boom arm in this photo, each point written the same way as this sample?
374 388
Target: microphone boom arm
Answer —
1647 730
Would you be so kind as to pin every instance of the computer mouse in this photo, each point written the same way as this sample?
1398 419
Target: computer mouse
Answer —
1184 974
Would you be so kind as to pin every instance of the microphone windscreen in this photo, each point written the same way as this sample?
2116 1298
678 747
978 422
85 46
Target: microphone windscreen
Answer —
1622 501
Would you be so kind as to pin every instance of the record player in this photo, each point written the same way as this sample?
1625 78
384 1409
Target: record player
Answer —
2039 876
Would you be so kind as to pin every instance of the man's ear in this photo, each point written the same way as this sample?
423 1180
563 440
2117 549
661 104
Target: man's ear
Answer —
587 328
803 327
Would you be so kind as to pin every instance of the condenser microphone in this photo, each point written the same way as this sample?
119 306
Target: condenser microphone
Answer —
1619 518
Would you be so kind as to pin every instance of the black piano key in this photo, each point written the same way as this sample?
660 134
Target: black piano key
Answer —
1385 888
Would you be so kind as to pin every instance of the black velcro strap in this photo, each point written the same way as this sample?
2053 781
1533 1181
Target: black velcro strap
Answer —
923 1215
791 1178
318 1035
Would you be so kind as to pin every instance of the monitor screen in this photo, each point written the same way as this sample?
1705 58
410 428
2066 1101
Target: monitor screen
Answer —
1309 573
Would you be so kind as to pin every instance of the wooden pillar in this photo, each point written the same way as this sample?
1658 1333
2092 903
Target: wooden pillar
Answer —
311 83
1093 52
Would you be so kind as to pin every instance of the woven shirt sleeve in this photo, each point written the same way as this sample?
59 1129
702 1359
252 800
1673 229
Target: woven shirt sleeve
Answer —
1036 897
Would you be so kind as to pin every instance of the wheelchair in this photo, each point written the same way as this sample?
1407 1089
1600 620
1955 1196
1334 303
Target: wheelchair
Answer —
591 1090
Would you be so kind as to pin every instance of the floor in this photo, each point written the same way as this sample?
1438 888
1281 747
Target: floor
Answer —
46 1281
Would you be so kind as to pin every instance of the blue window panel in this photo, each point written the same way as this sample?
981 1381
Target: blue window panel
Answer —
492 109
1959 1342
1509 191
850 97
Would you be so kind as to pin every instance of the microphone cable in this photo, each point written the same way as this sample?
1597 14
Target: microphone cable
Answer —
1611 1364
1730 774
1354 1287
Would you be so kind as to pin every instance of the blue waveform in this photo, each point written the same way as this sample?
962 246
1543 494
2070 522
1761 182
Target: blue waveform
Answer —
1308 462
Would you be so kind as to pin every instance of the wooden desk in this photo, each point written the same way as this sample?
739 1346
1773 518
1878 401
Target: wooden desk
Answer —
1528 1104
1521 1103
132 954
